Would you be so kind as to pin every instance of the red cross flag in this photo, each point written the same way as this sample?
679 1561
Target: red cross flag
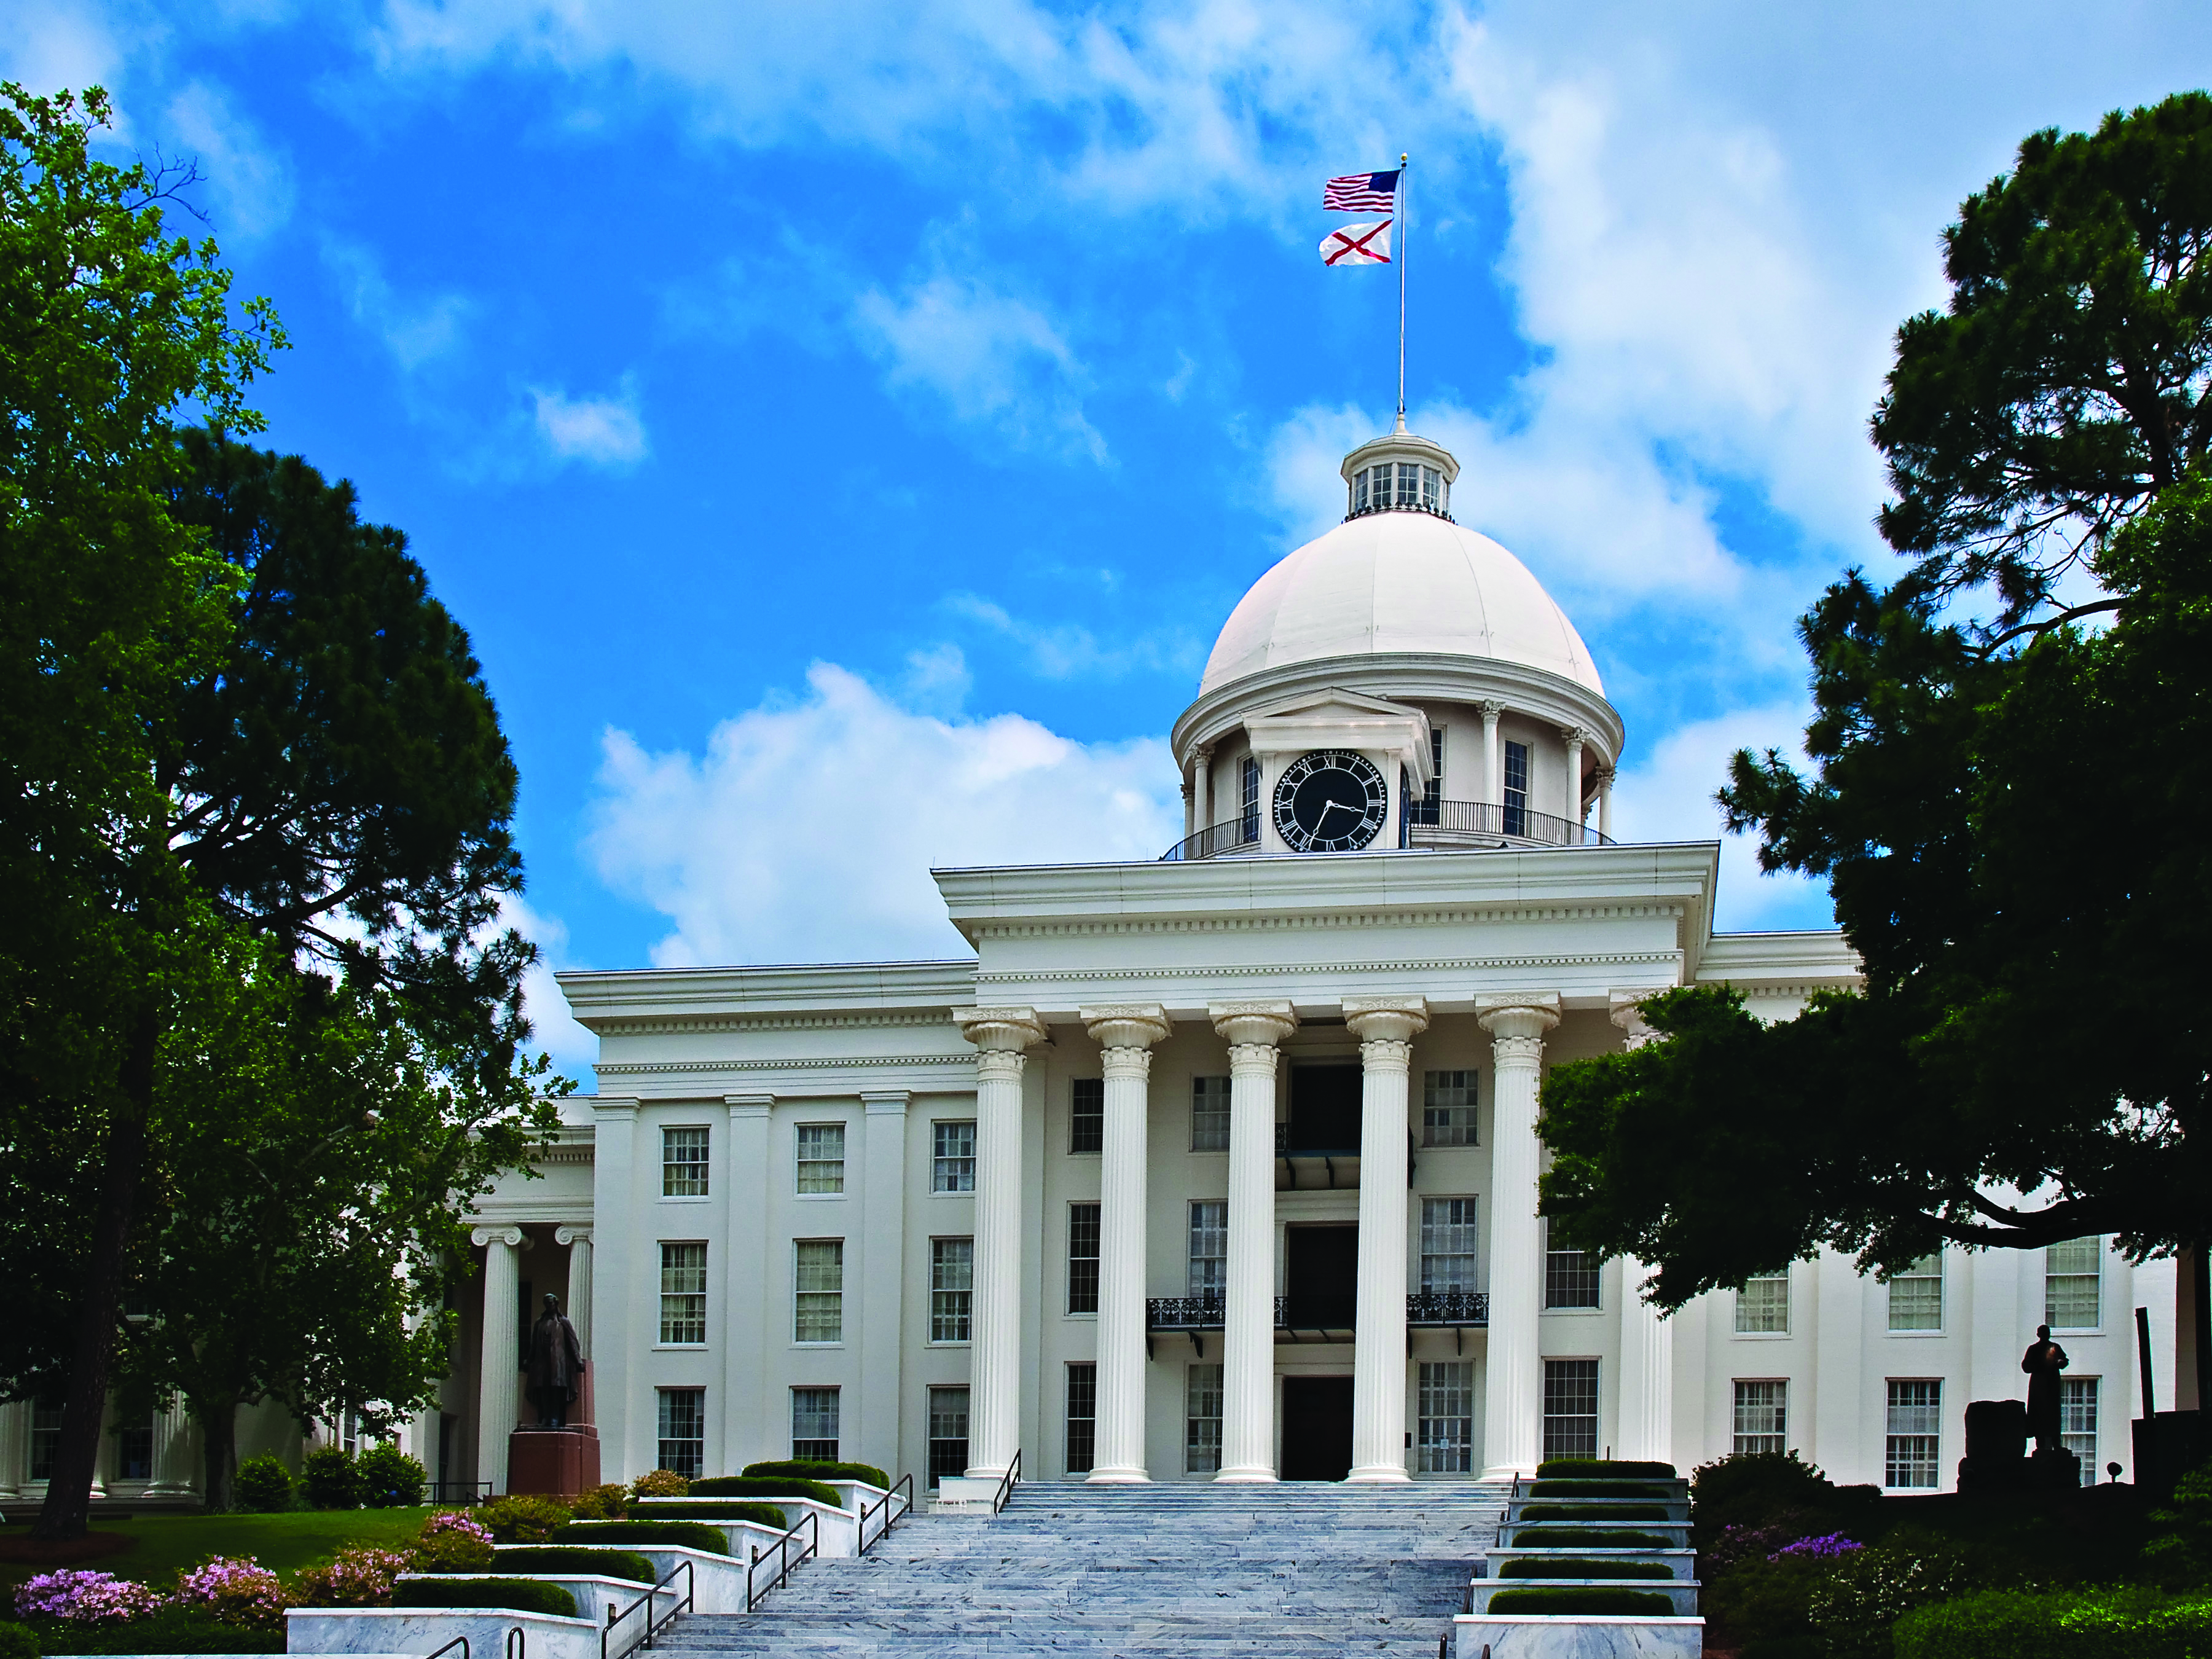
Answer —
1357 244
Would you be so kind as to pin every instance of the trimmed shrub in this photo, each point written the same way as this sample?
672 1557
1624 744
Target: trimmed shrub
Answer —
16 1641
683 1535
1599 1600
1600 1567
1763 1599
1862 1594
1586 1538
262 1485
1601 1468
525 1519
600 1503
171 1630
747 1485
1596 1489
2109 1624
1776 1480
451 1542
330 1479
508 1595
1595 1512
660 1483
727 1509
805 1469
81 1596
573 1558
362 1576
390 1479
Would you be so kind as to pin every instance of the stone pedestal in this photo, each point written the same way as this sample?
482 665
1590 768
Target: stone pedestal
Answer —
553 1462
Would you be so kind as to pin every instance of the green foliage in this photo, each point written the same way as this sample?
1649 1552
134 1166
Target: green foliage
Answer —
600 1503
805 1468
681 1534
1865 1593
566 1558
660 1483
170 1629
1595 1599
745 1486
2181 1554
1594 1489
452 1551
522 1520
2104 1624
1593 1512
262 1484
1779 1479
1759 1600
508 1594
1586 1538
389 1478
1594 1567
1602 1468
17 1641
331 1479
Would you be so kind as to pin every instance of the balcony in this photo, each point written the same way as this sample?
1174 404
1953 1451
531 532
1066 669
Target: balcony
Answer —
1434 825
1314 1318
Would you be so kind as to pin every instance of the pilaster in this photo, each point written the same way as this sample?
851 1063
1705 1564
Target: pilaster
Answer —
1647 1339
755 1278
882 1250
621 1398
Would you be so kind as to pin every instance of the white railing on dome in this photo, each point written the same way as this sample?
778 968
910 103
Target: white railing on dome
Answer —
1430 823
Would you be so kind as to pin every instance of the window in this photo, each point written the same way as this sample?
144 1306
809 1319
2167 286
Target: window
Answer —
1432 489
134 1452
1083 1258
683 1293
948 1434
814 1424
1209 1115
1086 1123
1428 809
1201 1419
684 1163
1359 490
1447 1235
1409 484
1916 1415
1445 1441
1570 1276
1448 1108
2077 1422
820 1157
1762 1306
1249 830
952 1288
1570 1409
2071 1301
1209 1247
953 1165
819 1296
1916 1296
683 1431
1082 1417
1516 789
46 1439
1762 1416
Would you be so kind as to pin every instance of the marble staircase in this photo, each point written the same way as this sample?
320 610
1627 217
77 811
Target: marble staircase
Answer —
1165 1569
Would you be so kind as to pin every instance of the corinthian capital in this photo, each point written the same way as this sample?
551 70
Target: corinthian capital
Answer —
1001 1030
1126 1024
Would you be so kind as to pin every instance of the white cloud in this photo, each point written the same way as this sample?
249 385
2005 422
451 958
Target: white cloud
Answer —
604 431
46 48
554 1029
415 331
807 829
1067 651
251 182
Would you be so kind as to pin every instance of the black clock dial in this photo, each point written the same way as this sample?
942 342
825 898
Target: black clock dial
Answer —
1330 801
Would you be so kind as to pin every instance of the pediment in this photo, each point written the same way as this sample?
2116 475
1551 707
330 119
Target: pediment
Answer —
1336 701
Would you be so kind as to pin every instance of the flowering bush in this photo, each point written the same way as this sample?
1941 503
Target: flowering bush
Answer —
359 1577
1827 1548
82 1597
1868 1591
1737 1545
661 1483
239 1591
451 1542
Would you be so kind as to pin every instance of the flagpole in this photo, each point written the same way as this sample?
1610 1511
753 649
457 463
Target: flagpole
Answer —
1402 168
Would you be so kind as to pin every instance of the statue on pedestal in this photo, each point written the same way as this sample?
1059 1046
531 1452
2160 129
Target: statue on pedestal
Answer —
557 1365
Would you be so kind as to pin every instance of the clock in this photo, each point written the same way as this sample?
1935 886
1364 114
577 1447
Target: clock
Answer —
1330 801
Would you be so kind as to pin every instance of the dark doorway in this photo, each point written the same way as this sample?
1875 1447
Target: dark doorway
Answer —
1316 1428
1324 1109
1323 1280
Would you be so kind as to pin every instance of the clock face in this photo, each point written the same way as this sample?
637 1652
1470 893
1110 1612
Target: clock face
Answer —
1330 801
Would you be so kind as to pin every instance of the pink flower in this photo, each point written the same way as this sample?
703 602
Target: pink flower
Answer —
236 1591
85 1598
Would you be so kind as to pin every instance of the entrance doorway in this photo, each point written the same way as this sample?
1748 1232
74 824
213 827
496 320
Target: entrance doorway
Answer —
1323 1280
1316 1428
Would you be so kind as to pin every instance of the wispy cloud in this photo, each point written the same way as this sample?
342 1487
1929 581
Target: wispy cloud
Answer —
602 431
250 178
415 331
1068 651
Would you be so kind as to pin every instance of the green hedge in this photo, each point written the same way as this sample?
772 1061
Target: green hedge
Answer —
574 1558
728 1487
680 1535
16 1641
1601 1468
1586 1538
172 1630
508 1595
2112 1624
1571 1567
1595 1512
1583 1601
805 1468
1597 1489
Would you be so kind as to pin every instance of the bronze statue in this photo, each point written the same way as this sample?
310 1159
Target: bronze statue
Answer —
557 1365
2043 1362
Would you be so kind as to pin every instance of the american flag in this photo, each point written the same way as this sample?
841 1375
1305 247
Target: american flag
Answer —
1362 192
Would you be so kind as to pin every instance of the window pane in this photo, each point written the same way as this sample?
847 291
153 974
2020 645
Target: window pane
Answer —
46 1439
684 1163
820 1157
2072 1298
819 1316
2077 1422
1515 821
1083 1258
1915 1421
952 1288
948 1434
1082 1417
134 1452
1915 1298
682 1293
1447 1244
1762 1417
952 1168
1570 1276
1762 1306
1201 1415
1570 1409
1209 1247
1209 1115
1248 828
1086 1129
814 1424
1445 1441
1448 1108
683 1431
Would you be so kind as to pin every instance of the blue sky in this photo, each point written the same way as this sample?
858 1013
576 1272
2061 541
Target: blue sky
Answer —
843 428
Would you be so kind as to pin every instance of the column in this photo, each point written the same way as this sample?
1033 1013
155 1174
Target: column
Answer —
14 1447
1605 801
883 1262
627 1426
1201 784
498 1374
994 1381
1492 789
1647 1339
1386 1028
579 1310
1573 735
753 1427
1248 1345
176 1454
1513 1375
1125 1033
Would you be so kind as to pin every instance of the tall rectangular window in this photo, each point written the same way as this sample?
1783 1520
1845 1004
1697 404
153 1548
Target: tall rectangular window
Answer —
814 1424
1083 1258
1209 1247
1762 1415
1570 1409
1248 823
820 1157
684 1163
952 1288
1516 789
2072 1298
1448 1244
2077 1422
134 1452
1914 1423
952 1157
1445 1441
1432 796
1762 1306
1082 1417
46 1439
1086 1119
818 1313
1209 1115
683 1431
948 1434
1201 1419
1448 1108
1916 1296
683 1293
1570 1276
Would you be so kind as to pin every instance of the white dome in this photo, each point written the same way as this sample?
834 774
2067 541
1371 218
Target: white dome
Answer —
1391 581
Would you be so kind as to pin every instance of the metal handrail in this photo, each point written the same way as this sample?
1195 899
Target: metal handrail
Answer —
1242 830
1007 1482
460 1641
785 1563
474 1491
653 1627
517 1645
890 1520
1167 1313
1425 822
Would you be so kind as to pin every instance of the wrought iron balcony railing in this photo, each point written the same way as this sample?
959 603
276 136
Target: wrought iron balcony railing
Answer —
1169 1314
1428 823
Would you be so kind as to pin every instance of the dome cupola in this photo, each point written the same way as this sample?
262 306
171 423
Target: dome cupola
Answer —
1401 473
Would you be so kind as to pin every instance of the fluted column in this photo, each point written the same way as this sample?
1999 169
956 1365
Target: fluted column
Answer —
1605 801
994 1390
14 1447
176 1462
1493 781
1575 736
1201 784
1247 1344
579 1241
1647 1340
499 1370
1386 1028
1513 1375
1125 1033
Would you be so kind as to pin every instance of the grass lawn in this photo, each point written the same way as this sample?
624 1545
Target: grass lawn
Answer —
160 1544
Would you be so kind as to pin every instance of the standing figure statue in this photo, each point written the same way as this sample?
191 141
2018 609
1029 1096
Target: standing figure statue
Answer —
2043 1362
557 1365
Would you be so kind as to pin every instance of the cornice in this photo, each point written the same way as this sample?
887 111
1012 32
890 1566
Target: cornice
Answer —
1466 916
695 1024
844 991
1232 973
807 1063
